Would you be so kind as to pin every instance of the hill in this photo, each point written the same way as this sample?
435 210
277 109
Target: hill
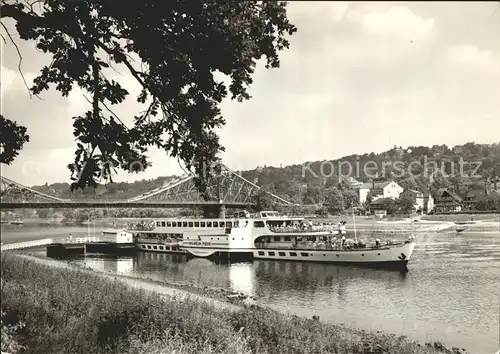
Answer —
460 168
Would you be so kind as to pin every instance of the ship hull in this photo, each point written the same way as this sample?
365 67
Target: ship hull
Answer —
171 247
393 257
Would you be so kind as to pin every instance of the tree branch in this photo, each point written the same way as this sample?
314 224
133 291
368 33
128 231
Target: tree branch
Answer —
132 70
20 59
108 109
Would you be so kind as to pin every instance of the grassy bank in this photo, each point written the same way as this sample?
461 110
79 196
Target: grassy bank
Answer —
75 311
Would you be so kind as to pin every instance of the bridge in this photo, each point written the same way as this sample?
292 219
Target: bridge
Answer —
226 190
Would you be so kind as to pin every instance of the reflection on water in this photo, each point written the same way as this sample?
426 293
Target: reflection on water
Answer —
450 293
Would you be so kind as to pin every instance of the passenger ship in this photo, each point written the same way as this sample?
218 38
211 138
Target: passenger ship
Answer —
267 235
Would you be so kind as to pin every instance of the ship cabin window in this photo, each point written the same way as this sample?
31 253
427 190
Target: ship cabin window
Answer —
282 254
184 224
277 238
215 224
261 253
229 224
163 224
160 247
190 224
221 224
196 224
154 247
202 224
287 238
293 254
158 223
270 253
304 254
209 224
258 224
169 224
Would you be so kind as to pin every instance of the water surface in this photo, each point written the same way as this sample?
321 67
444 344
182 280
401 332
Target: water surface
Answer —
450 293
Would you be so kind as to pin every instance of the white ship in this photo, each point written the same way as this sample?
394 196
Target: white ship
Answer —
154 236
267 235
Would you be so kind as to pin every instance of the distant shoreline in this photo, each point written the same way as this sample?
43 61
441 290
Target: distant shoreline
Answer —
488 222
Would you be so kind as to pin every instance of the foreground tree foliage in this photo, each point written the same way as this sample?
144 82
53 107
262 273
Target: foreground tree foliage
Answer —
12 139
181 44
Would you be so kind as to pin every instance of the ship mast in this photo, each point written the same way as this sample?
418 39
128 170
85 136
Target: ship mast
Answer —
354 221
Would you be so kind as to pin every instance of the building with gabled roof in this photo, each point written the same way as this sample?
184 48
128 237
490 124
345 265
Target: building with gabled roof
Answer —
377 190
447 201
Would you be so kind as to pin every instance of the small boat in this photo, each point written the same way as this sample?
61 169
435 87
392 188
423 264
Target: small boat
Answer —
459 229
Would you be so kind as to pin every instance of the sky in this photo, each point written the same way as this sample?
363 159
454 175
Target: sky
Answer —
358 78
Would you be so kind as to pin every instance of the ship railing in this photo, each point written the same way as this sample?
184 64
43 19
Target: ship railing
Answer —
157 240
83 239
298 230
141 226
323 246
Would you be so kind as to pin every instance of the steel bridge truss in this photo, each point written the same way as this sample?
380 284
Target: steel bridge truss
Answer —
13 192
226 186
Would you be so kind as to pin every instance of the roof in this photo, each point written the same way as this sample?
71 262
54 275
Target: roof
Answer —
453 195
440 191
376 185
352 180
413 191
476 193
380 201
113 231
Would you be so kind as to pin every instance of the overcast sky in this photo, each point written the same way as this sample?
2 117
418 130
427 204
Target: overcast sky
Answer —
357 78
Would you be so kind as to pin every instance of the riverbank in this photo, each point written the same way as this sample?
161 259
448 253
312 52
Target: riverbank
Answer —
68 309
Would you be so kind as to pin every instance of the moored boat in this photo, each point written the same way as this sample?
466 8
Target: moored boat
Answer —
151 236
268 235
391 255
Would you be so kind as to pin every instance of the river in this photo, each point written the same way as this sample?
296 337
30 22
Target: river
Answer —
450 294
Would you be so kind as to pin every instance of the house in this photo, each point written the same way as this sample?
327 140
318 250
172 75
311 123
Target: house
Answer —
467 182
416 196
117 236
474 196
379 207
494 184
428 202
447 201
354 182
377 190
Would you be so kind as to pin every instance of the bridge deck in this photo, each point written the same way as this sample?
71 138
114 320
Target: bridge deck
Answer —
104 204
